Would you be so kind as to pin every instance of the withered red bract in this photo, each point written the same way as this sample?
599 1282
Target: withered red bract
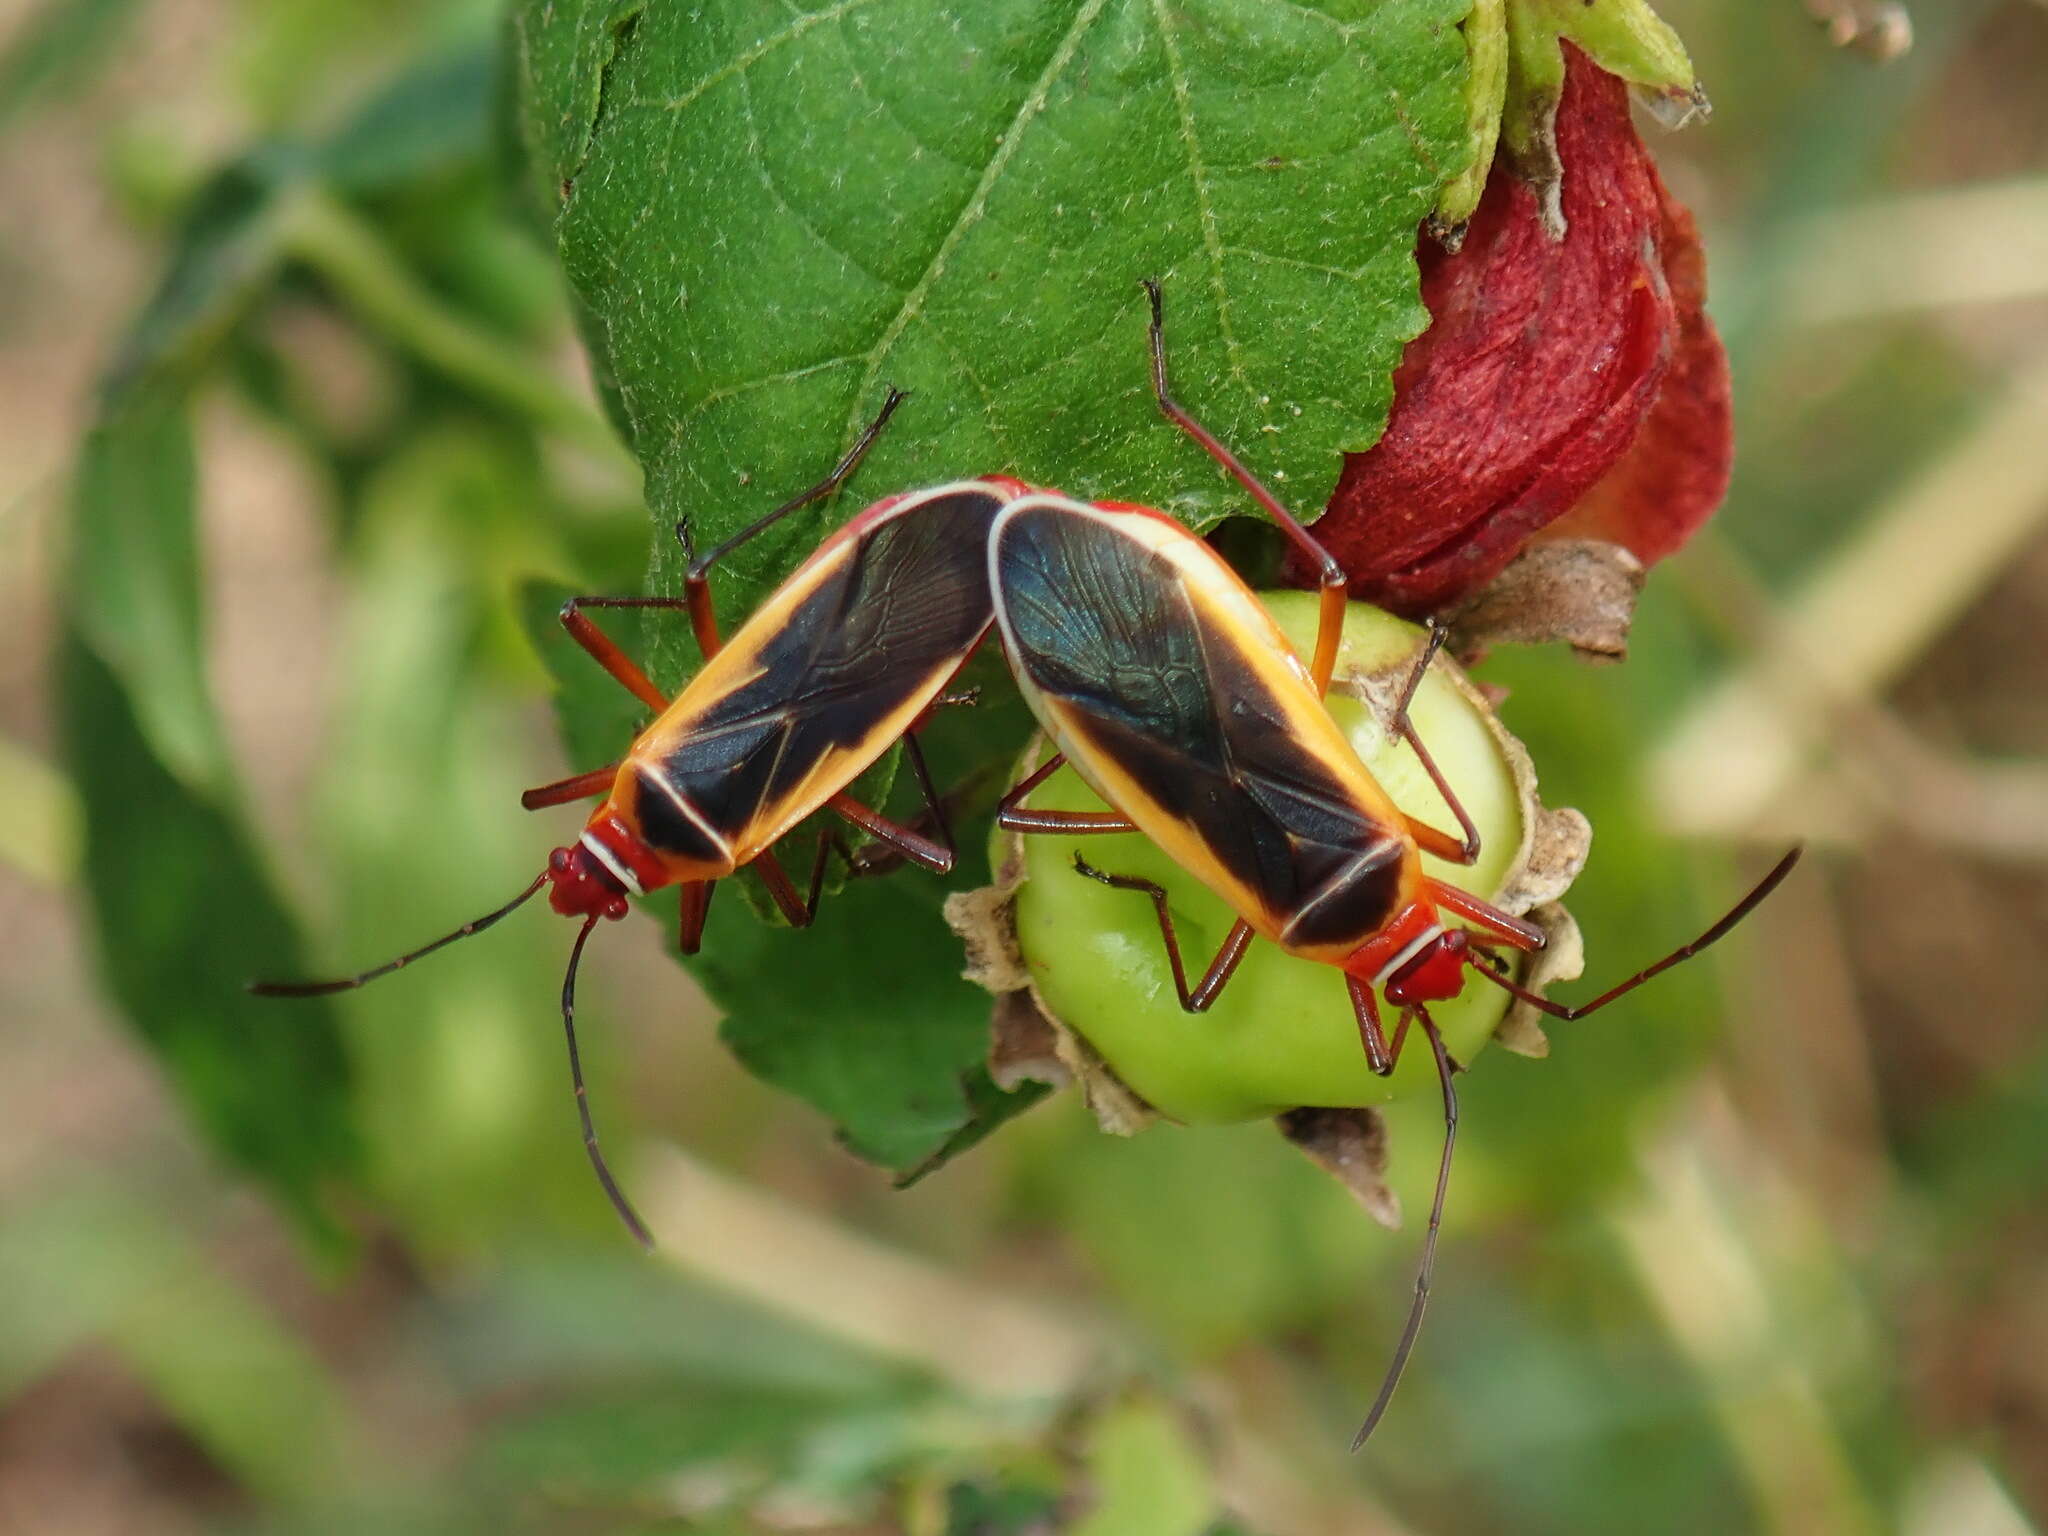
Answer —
1556 375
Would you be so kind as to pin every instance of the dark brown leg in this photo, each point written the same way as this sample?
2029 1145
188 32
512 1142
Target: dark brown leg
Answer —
828 841
1330 626
1381 1054
1221 969
697 589
918 849
934 806
1442 844
578 787
776 879
1734 915
1010 812
695 908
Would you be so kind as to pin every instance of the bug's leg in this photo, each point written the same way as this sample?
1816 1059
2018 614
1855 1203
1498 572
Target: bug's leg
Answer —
577 787
605 650
1734 915
1445 1067
696 586
1330 626
829 841
934 806
1463 850
936 857
1235 943
1010 812
1381 1054
783 893
695 906
1517 931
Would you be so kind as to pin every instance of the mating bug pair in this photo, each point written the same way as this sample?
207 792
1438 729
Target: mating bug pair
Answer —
1156 673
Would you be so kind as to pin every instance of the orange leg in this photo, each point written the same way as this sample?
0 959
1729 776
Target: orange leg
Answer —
606 650
695 907
1519 932
577 787
798 912
1330 624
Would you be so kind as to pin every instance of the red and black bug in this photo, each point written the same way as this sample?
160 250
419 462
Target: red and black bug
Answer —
846 658
1167 686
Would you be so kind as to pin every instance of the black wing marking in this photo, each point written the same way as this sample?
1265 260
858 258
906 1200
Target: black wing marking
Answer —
907 605
1108 627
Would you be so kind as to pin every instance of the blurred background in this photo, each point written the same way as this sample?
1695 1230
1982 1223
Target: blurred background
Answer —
1765 1249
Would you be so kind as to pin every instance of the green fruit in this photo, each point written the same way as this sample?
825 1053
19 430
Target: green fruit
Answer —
1282 1033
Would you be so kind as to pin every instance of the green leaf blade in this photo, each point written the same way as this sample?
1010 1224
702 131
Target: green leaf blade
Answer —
776 217
186 917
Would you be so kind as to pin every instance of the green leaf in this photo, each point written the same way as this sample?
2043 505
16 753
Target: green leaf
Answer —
185 916
134 583
563 54
775 213
185 913
434 118
864 1014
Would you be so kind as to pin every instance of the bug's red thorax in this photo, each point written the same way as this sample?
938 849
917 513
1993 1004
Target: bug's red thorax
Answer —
1415 958
612 860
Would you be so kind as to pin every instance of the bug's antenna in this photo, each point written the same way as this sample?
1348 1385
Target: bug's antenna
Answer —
619 1201
350 983
1734 915
1402 1350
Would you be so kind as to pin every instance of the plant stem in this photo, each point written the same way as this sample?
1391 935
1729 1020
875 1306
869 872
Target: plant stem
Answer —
367 273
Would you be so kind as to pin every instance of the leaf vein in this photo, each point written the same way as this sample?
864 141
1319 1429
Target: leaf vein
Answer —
1212 239
976 205
754 55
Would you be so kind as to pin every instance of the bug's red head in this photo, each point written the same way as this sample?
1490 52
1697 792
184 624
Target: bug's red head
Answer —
1434 975
580 886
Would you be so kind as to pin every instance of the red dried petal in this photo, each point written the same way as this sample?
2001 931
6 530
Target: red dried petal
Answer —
1543 360
1675 473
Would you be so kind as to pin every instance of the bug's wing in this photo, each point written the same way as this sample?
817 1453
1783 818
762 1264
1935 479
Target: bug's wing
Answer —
1172 692
831 670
